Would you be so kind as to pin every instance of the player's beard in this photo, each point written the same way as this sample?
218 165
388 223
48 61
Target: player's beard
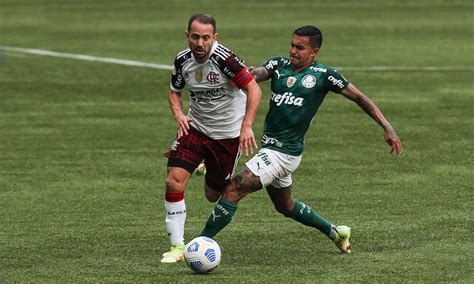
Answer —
200 53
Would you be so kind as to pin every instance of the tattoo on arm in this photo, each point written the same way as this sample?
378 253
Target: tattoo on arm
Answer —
367 105
371 109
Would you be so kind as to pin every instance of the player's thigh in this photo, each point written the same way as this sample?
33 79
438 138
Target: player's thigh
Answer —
273 167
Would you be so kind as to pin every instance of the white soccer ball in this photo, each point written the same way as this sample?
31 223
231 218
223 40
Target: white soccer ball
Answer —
202 255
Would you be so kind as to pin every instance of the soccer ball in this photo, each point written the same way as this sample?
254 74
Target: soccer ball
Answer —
202 255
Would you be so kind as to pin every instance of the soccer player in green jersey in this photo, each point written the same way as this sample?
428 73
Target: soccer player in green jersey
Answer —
299 85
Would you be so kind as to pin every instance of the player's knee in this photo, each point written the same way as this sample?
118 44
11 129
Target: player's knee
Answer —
233 191
285 208
174 185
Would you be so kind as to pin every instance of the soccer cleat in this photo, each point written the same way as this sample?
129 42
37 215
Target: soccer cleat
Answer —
200 170
176 254
343 238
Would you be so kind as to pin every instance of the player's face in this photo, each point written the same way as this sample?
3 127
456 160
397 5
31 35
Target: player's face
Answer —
200 38
302 54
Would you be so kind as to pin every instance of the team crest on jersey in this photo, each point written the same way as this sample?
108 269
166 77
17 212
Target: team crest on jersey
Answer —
308 81
198 75
291 81
213 78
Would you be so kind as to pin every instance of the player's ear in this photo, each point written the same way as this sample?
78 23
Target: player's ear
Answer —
215 37
315 52
187 34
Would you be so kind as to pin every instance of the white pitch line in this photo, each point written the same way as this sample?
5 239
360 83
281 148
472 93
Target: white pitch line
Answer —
86 57
407 68
170 67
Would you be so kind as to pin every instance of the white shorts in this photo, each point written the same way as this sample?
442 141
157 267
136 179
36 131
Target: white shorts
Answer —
273 167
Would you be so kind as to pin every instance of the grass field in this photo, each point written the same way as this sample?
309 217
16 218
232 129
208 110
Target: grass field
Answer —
82 172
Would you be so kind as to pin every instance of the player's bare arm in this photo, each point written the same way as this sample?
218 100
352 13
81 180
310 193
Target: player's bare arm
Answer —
354 94
247 138
260 74
175 100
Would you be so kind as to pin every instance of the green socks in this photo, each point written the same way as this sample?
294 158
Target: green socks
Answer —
306 215
219 218
225 210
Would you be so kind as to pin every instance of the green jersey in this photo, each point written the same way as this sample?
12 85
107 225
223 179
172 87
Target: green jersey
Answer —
295 100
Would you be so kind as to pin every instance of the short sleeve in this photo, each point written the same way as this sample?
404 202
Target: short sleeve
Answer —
177 80
237 72
335 81
271 65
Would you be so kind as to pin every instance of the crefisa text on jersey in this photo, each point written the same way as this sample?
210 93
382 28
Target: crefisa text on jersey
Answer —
336 82
287 98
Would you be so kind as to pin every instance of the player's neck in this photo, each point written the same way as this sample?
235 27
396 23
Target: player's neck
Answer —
303 67
202 60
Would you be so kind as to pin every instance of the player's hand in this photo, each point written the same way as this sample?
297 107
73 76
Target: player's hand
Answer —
392 139
247 140
182 121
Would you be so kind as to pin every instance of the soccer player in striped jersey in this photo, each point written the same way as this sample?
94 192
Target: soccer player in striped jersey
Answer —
299 85
217 127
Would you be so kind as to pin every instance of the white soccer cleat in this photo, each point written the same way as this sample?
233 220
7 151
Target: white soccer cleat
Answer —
343 238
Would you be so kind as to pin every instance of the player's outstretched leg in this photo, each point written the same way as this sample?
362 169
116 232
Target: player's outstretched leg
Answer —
304 214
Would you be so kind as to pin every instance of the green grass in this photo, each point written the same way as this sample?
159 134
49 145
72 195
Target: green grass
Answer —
81 143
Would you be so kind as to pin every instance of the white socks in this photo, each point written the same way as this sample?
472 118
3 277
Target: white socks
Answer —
175 218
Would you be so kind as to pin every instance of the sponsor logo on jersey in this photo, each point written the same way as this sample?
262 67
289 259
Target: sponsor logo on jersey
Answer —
287 98
240 61
207 95
278 74
179 81
198 75
272 141
271 63
213 78
228 72
308 81
336 82
291 81
318 69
